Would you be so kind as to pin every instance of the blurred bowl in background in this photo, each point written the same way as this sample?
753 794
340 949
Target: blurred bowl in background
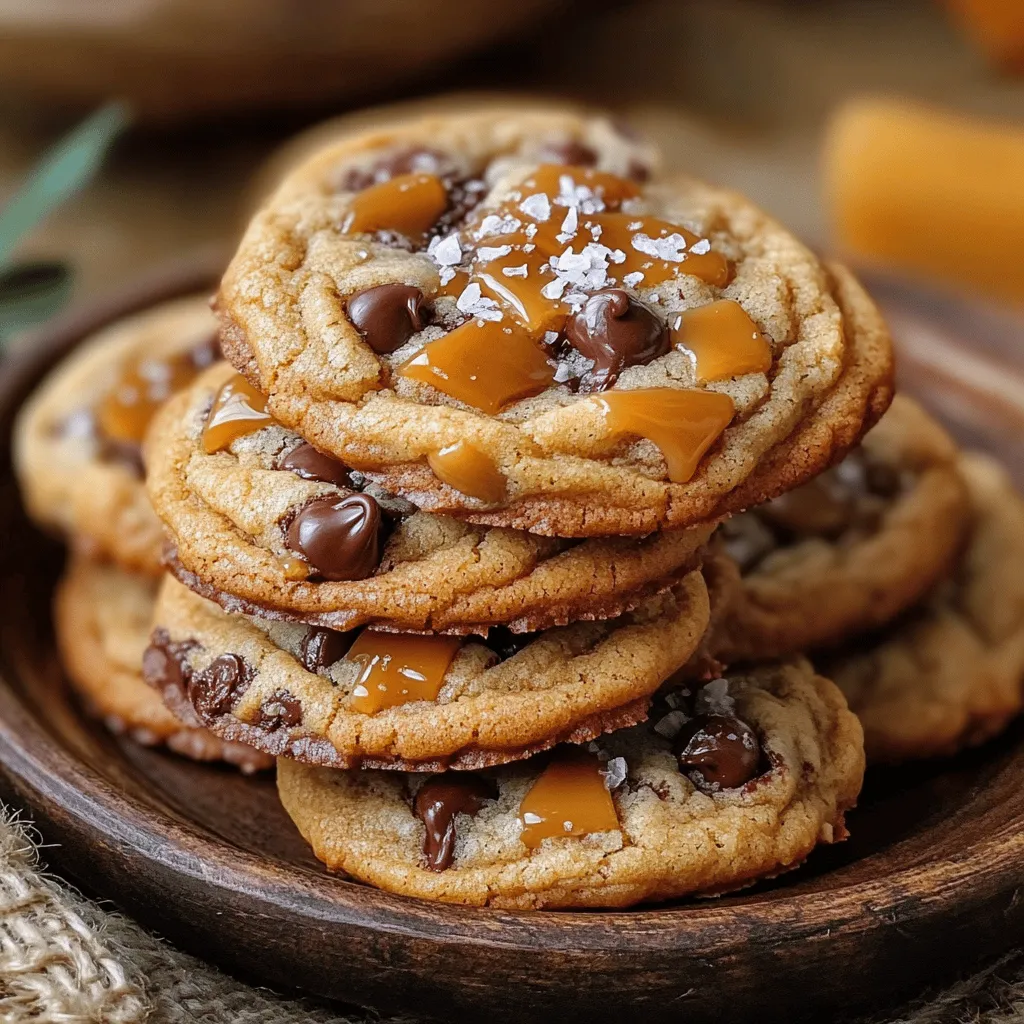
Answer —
174 59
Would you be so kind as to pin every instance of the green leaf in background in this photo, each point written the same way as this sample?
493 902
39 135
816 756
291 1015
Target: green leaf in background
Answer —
31 293
67 167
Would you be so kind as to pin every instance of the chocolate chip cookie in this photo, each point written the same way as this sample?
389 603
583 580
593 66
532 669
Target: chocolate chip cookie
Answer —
267 524
950 672
78 439
850 550
400 700
736 784
102 620
514 318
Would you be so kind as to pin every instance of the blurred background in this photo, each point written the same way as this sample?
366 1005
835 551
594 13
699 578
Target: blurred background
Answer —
889 130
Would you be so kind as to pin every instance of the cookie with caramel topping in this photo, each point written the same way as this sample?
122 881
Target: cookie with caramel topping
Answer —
852 549
271 526
78 445
949 673
543 324
420 702
102 621
627 820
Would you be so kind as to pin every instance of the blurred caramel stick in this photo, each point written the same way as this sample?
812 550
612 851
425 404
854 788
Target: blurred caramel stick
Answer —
929 192
997 26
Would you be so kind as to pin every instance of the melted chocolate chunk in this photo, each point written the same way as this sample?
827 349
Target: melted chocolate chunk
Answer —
320 648
437 803
281 710
404 161
125 453
387 316
571 152
848 500
463 196
340 537
505 643
164 663
310 464
717 752
217 688
615 331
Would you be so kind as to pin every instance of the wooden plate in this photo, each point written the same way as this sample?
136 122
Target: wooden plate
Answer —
930 881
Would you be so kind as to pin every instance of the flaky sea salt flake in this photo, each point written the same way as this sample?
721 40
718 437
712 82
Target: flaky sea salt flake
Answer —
671 247
701 248
486 253
633 280
614 773
537 206
445 252
522 271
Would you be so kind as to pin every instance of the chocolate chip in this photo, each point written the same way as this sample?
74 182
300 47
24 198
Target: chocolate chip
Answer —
505 643
125 453
321 648
387 316
615 331
310 464
717 752
437 803
281 710
570 152
164 663
638 172
217 688
404 161
339 537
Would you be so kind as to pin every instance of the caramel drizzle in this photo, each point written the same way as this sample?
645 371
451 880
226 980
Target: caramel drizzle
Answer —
145 384
470 471
397 668
569 798
682 423
489 364
486 364
238 409
724 341
408 203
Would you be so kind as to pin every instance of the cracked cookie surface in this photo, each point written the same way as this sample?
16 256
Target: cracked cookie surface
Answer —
852 549
572 453
949 673
668 831
398 700
228 513
102 618
77 444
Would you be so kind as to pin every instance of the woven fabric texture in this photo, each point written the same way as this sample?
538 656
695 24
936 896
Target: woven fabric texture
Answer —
65 959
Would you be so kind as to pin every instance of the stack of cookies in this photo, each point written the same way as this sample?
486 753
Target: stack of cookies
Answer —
509 529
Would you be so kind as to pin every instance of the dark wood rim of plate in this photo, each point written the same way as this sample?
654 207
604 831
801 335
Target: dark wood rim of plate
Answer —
900 917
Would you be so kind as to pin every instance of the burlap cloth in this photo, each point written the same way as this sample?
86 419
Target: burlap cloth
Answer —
65 959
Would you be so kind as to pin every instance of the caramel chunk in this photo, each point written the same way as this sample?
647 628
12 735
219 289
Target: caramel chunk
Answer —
397 668
683 423
930 192
569 798
717 752
387 316
486 364
724 341
409 204
469 470
144 385
615 331
238 409
438 803
339 536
